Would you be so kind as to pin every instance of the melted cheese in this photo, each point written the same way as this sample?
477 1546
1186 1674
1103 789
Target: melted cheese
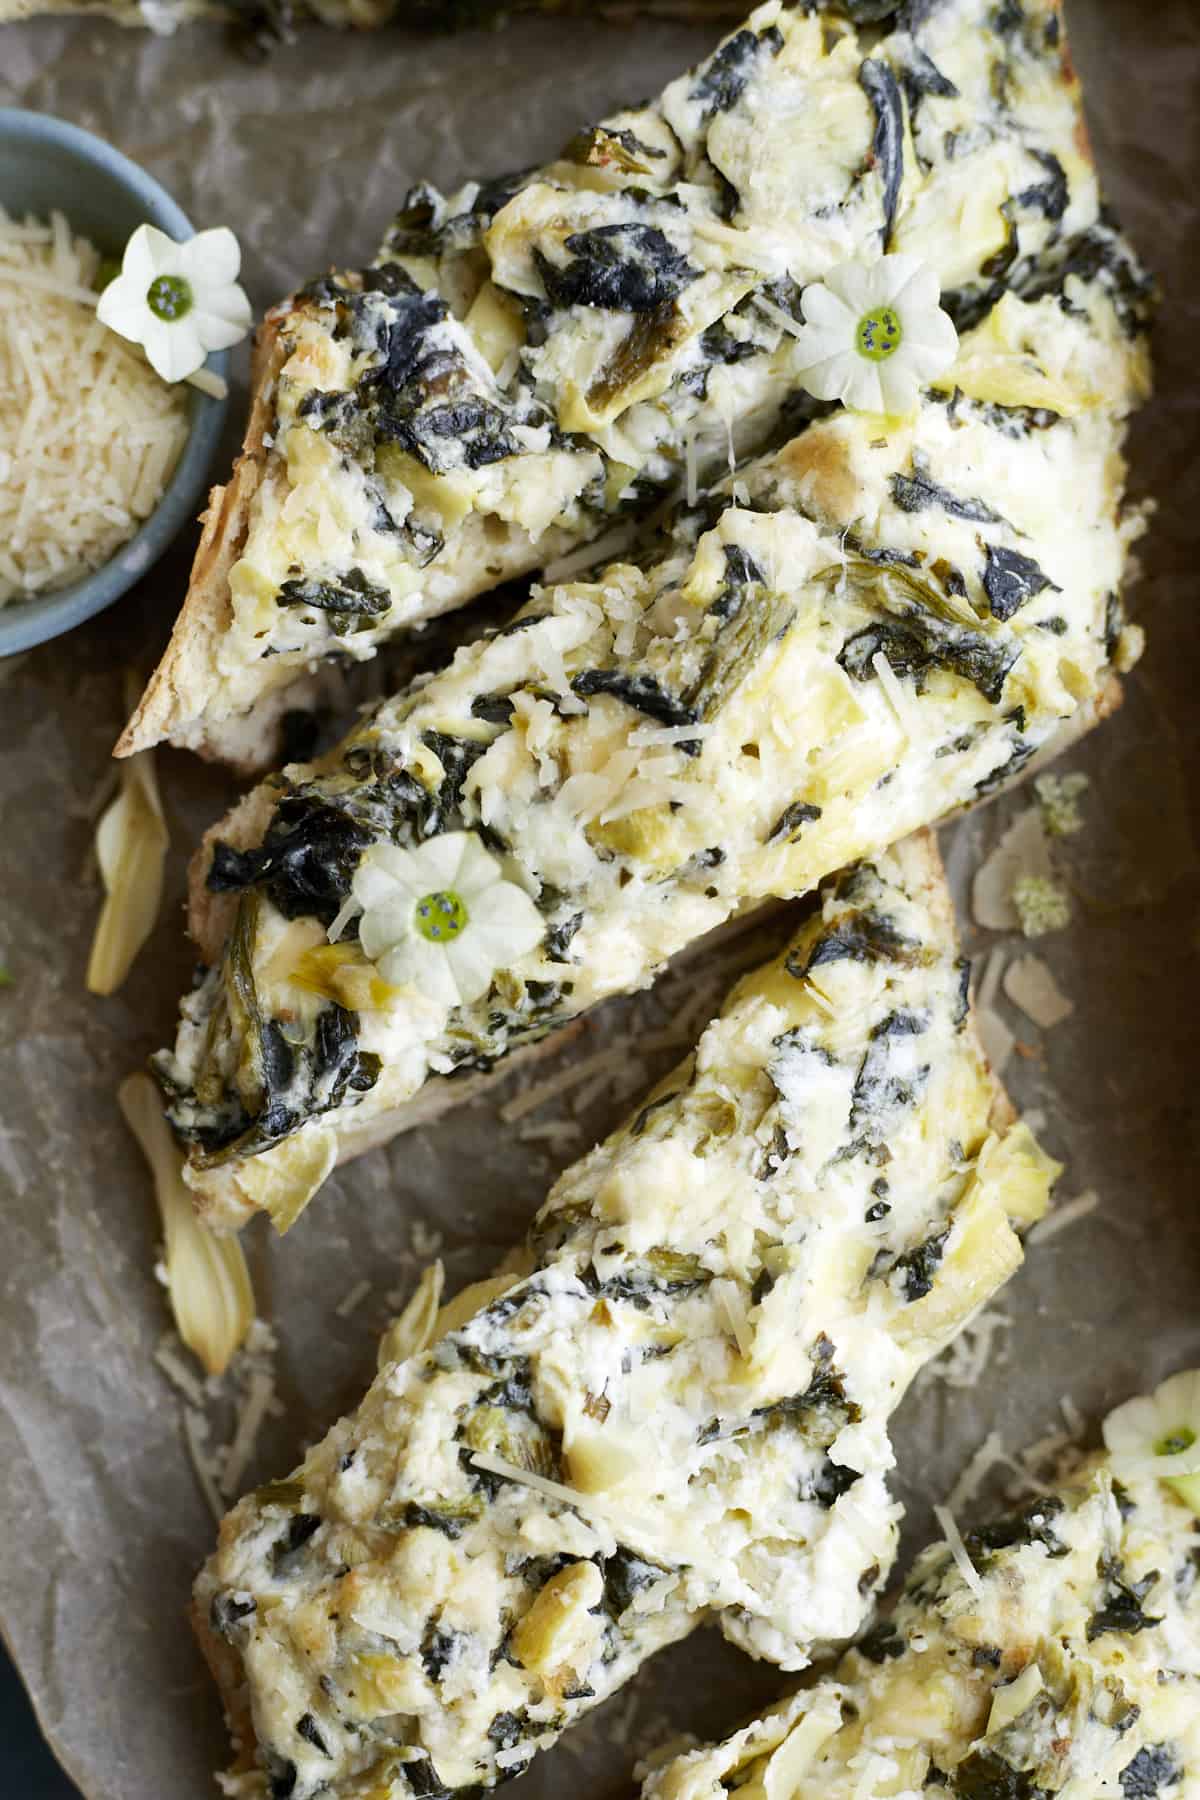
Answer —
679 1410
529 358
970 553
1063 1659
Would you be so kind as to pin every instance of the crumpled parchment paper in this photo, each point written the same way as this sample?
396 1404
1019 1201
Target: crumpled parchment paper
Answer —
305 155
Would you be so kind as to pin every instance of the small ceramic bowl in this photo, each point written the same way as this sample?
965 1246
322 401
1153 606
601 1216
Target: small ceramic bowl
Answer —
47 164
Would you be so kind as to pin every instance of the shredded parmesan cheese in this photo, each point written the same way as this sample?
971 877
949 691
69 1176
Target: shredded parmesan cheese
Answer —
989 1453
891 684
91 433
195 1432
1064 1216
958 1549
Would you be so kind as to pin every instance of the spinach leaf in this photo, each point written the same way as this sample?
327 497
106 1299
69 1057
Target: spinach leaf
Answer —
792 821
1010 579
1152 1769
724 77
917 632
1032 1523
305 862
644 693
1121 1606
351 601
865 936
886 1084
887 144
916 492
983 1775
918 1267
882 1643
621 268
1049 197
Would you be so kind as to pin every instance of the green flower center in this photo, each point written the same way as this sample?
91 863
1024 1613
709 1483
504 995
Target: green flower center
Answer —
169 297
878 334
1182 1438
441 917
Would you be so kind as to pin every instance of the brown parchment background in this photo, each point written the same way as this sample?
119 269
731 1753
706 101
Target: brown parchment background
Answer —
101 1522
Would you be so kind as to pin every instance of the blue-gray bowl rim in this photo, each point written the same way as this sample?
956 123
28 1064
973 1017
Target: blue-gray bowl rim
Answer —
24 623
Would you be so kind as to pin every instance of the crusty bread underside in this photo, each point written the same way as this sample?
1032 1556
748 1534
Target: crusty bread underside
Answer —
173 703
925 877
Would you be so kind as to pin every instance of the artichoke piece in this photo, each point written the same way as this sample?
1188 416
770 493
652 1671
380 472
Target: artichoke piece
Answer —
759 620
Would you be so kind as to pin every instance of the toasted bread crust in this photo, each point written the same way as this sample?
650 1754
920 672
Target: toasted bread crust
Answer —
175 697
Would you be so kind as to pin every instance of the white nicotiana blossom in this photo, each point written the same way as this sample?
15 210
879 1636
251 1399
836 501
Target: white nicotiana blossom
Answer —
1158 1434
440 918
178 301
874 334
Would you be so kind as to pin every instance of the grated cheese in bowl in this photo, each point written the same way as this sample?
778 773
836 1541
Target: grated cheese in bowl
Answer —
89 434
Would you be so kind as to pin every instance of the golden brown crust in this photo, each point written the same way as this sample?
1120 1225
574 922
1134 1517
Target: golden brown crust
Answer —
225 1667
173 703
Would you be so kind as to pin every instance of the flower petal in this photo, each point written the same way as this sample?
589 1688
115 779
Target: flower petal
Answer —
139 264
122 307
478 871
861 389
423 966
507 923
826 310
471 965
905 281
383 928
1132 1428
211 259
827 380
435 863
219 332
853 283
898 384
173 348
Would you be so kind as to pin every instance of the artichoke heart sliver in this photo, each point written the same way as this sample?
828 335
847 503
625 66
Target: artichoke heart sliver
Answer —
1053 1649
208 1283
674 1404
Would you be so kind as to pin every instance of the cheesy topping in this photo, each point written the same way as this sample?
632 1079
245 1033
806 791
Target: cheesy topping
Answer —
535 357
875 625
1054 1651
677 1407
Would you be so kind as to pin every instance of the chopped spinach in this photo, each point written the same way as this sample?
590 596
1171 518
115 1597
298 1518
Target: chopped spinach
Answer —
829 1483
626 267
1050 196
1011 579
792 821
307 1728
887 143
918 491
625 1576
450 1517
306 860
351 601
724 77
983 1775
438 1648
1121 1607
884 1086
918 632
917 1268
559 937
864 936
1032 1523
644 693
882 1643
1153 1768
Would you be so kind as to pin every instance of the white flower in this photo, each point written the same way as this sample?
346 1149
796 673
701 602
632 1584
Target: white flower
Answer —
179 301
1158 1434
874 334
440 918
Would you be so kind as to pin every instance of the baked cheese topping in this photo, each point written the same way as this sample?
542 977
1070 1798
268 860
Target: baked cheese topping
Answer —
875 625
679 1405
1055 1651
533 361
